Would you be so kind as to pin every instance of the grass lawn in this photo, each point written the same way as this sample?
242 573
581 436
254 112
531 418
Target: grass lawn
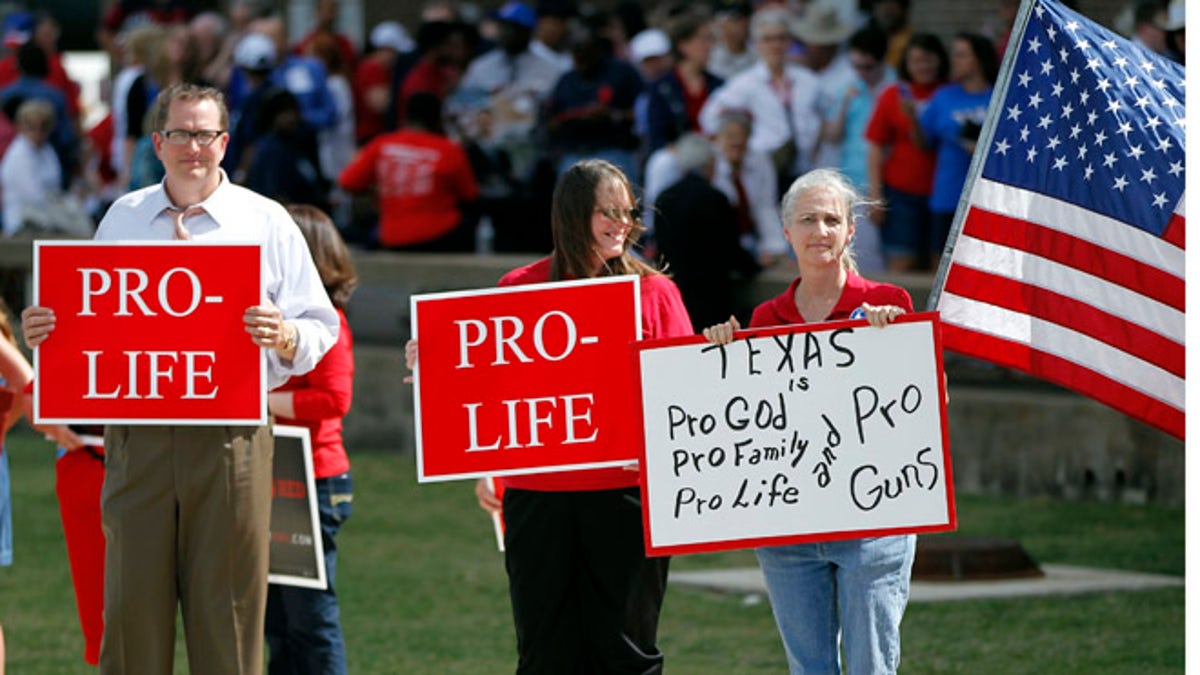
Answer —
423 589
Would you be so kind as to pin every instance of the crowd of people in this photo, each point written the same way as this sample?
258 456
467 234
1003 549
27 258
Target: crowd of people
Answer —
524 129
505 100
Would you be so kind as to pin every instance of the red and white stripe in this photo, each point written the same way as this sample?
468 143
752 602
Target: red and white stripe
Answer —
1071 296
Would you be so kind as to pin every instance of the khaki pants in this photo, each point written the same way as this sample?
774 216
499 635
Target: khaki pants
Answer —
186 513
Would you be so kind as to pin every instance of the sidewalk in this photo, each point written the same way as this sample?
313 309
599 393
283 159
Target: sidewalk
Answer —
1059 580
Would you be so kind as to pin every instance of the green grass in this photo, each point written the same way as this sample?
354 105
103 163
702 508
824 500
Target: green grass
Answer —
423 589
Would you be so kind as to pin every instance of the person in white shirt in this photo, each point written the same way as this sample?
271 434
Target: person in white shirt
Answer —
748 179
30 171
732 53
186 509
780 96
823 31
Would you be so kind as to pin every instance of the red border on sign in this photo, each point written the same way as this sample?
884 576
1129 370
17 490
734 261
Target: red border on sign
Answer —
756 542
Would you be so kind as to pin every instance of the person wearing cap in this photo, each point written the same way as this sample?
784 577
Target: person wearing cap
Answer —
676 98
517 79
823 31
503 91
392 47
650 53
780 96
732 52
254 57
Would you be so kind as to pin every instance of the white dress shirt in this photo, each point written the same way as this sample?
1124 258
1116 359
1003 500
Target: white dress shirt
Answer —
662 171
28 176
759 181
234 214
751 91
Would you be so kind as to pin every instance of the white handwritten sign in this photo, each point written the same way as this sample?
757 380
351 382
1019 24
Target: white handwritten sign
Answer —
801 433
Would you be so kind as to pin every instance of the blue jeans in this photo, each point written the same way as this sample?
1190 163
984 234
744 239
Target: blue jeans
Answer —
303 625
908 224
6 546
857 588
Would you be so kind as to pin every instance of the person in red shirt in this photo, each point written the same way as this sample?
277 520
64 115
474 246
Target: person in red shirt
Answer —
899 169
445 48
303 625
585 598
423 182
327 15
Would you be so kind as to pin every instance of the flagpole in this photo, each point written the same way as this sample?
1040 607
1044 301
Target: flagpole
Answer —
982 144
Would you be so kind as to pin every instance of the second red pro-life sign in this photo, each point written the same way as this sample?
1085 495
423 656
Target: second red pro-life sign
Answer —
525 379
149 332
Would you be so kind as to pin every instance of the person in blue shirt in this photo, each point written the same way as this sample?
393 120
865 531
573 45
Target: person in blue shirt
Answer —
951 123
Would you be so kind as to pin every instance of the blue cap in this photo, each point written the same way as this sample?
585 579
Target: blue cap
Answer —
518 13
17 29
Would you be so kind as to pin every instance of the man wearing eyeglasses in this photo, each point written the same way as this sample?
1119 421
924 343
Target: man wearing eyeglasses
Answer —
186 510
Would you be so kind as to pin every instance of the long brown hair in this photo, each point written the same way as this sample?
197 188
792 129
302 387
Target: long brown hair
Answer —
329 252
6 330
571 224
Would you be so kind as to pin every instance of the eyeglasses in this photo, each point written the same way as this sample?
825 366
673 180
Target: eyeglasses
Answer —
617 215
183 136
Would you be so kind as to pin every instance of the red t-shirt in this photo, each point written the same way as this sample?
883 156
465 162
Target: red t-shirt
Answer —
781 310
420 179
907 167
663 315
322 398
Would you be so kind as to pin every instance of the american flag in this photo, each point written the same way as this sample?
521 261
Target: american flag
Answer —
1066 259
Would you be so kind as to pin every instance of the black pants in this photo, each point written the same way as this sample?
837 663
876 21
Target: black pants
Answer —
585 597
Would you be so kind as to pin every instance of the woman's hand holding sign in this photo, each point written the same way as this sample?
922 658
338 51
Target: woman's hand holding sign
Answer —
36 325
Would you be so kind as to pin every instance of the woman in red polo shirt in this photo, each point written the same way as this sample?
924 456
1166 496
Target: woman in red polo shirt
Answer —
303 625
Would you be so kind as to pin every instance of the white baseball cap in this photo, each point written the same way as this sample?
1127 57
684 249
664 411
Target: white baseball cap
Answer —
255 52
392 34
648 44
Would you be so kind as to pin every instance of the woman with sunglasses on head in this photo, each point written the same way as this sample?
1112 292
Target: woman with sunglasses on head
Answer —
585 597
851 592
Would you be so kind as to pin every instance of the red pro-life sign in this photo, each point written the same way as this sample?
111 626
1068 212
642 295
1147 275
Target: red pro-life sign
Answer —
148 333
525 379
